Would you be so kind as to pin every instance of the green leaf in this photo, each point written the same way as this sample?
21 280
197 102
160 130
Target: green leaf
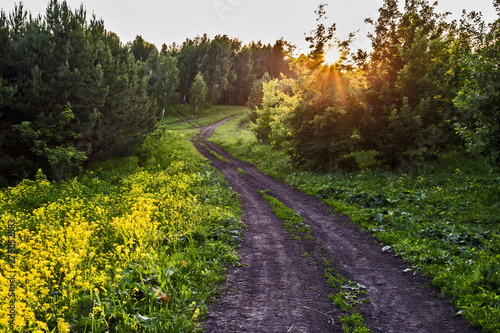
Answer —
378 217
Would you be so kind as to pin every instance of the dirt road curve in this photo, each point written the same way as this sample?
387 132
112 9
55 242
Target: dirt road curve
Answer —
279 290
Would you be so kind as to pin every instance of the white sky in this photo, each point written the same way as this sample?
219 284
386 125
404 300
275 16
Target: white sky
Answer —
167 21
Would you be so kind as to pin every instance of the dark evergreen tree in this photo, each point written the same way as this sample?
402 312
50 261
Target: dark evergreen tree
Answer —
69 90
141 49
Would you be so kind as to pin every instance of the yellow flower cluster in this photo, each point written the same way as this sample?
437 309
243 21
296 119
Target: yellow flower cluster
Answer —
68 237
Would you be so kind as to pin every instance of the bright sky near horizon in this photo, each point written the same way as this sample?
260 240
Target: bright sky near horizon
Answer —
169 21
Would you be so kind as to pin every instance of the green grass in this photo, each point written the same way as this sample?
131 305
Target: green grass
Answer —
183 117
294 224
353 323
443 219
135 244
211 151
236 137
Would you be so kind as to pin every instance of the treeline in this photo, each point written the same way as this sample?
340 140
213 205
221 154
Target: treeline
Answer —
72 92
427 86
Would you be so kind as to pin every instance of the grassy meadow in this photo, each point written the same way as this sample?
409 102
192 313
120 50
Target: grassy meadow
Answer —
442 218
136 244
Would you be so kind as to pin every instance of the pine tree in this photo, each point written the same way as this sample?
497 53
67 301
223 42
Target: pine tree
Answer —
141 49
69 90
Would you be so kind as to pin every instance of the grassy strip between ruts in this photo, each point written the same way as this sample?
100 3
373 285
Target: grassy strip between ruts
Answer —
121 248
220 158
442 218
347 292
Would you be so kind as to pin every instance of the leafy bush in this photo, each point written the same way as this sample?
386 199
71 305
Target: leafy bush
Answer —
479 99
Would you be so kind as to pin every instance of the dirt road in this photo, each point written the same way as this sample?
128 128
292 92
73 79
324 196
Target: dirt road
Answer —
280 290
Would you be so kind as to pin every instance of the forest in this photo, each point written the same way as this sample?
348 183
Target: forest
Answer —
96 168
72 92
427 86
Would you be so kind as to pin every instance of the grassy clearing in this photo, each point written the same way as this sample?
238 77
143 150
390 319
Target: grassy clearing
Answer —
236 137
183 117
121 248
442 219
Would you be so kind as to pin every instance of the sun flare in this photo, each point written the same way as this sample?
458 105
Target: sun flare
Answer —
332 55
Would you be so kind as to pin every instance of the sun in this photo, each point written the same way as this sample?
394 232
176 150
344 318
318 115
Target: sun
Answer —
332 55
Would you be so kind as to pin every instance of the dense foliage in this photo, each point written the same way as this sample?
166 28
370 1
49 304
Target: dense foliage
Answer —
70 90
229 68
88 247
427 86
478 99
